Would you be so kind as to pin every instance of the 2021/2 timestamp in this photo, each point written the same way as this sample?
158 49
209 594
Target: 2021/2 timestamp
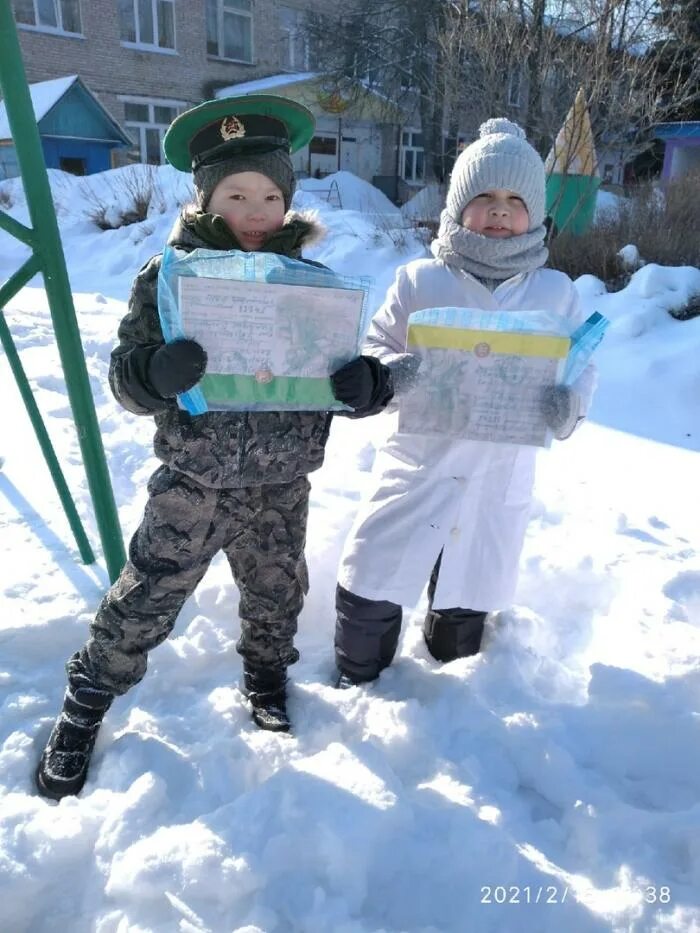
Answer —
523 894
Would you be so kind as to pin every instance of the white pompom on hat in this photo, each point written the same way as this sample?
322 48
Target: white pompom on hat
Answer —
500 158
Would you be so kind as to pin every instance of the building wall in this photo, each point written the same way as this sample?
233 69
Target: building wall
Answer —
87 157
684 157
342 144
9 166
111 71
611 166
189 75
186 76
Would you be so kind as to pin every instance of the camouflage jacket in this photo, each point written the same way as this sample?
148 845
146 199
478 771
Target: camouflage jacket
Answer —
218 449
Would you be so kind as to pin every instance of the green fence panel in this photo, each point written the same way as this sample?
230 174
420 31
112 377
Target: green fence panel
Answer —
45 241
571 201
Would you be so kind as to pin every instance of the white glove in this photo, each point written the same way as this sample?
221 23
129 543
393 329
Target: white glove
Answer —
561 407
404 371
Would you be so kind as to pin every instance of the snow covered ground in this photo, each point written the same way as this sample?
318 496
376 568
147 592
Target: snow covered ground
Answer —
550 784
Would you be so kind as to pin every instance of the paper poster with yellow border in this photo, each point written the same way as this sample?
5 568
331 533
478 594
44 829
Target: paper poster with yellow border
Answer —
482 374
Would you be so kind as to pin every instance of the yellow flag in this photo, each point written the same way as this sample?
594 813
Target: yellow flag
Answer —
573 152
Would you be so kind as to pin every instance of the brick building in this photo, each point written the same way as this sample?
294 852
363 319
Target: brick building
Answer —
147 60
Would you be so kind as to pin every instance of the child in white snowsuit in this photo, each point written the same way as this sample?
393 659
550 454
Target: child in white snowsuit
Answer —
231 481
449 512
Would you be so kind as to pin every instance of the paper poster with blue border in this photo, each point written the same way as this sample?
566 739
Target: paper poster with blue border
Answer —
274 328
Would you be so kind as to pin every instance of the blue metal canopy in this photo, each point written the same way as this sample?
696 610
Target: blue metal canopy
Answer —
685 129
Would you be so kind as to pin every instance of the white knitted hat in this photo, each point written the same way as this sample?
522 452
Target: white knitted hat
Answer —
500 158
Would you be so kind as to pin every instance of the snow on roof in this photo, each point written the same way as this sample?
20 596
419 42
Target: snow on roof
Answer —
261 85
44 95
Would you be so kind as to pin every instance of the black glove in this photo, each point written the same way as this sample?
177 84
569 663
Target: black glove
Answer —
365 384
561 407
176 367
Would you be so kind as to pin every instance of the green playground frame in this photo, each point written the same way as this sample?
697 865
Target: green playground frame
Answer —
47 257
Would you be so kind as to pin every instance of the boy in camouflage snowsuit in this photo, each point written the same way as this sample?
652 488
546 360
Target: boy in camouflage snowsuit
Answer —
231 481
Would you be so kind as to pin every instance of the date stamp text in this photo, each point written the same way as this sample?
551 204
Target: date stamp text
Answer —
523 894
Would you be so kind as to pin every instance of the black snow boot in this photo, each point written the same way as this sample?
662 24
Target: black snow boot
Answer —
453 633
64 764
266 689
344 681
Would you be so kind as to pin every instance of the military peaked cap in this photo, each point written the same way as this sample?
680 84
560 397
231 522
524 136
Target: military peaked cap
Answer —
218 129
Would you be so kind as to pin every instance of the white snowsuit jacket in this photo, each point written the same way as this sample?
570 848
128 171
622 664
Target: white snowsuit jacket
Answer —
468 499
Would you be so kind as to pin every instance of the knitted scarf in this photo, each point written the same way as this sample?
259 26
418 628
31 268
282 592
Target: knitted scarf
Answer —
488 257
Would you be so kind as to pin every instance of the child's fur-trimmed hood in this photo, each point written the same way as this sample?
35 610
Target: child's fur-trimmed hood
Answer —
317 229
311 218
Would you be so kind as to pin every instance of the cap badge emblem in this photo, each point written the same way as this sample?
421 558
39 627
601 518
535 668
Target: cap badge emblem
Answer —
231 128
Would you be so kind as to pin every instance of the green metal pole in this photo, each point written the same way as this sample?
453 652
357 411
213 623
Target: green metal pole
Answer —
19 279
45 442
47 245
16 229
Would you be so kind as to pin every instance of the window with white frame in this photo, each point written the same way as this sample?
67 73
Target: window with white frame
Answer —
230 29
412 156
294 52
146 121
147 22
58 15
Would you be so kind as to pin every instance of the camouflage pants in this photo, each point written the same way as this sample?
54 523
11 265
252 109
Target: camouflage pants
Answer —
261 529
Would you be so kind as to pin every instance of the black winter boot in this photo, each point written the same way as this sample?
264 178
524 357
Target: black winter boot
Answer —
343 681
266 690
453 633
366 635
64 764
